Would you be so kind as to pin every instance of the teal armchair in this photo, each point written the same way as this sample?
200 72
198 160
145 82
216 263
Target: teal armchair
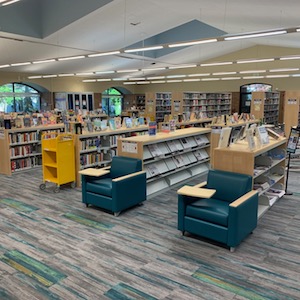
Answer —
121 186
227 215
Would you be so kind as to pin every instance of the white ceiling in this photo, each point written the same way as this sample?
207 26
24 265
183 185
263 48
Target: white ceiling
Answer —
119 24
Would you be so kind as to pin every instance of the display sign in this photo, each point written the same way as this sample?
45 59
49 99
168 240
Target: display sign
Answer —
293 140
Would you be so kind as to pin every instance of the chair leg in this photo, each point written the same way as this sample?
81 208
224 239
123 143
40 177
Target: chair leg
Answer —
232 249
183 232
116 214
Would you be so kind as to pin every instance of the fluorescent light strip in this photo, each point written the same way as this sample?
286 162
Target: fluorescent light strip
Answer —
158 81
127 71
21 64
199 75
71 57
277 76
154 69
49 76
66 75
103 79
44 61
104 53
255 60
143 49
143 82
217 64
34 77
127 83
182 67
119 79
173 81
105 72
289 57
210 79
230 78
89 80
191 80
137 78
176 76
10 2
4 66
156 77
253 77
296 75
85 74
254 35
284 70
252 71
185 44
224 73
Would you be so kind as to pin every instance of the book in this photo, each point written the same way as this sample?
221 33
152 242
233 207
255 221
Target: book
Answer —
224 137
112 124
250 139
103 124
152 128
118 122
262 135
141 121
128 122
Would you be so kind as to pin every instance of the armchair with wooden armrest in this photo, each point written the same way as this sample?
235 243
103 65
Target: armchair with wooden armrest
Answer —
224 208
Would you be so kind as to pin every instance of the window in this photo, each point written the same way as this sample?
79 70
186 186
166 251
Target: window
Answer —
18 97
112 102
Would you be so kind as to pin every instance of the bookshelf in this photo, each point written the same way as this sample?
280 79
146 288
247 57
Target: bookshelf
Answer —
21 147
265 106
158 105
198 105
265 164
290 101
169 158
137 100
96 149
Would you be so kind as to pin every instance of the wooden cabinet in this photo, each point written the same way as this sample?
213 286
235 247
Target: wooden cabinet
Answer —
265 164
96 149
158 105
21 147
265 106
169 158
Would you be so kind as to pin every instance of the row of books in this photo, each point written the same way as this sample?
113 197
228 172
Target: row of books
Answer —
94 158
164 148
25 163
171 163
206 102
24 150
15 138
207 96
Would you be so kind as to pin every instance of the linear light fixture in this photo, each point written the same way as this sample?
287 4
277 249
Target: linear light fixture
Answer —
253 77
284 70
5 66
143 49
89 80
143 82
35 77
103 79
182 67
192 43
199 75
66 75
85 74
277 76
191 80
129 83
128 71
296 75
230 78
255 35
71 57
137 78
249 61
174 81
21 64
119 79
10 2
210 79
224 73
154 69
156 77
217 64
49 76
104 72
289 57
175 76
104 53
252 71
158 81
43 61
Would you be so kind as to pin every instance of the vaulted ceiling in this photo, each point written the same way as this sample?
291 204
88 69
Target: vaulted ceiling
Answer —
37 30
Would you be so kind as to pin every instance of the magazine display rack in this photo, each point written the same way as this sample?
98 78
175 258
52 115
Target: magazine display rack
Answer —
170 158
266 164
58 157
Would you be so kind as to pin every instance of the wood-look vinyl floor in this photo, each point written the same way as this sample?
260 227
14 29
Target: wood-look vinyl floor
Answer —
53 247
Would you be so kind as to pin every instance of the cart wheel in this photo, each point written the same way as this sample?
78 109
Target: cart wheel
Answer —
42 186
73 185
57 189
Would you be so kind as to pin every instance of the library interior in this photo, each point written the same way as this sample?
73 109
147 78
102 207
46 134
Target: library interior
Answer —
149 149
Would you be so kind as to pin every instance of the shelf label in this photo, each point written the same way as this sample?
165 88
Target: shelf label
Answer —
129 147
2 134
292 101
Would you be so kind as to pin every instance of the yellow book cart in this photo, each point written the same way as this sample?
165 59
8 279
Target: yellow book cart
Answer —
58 160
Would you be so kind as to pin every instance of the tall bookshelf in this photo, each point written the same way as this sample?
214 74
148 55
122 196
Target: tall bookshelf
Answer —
158 105
21 147
266 165
96 149
290 101
205 105
265 106
170 158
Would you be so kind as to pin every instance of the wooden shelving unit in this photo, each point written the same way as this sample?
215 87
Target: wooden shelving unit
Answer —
265 164
96 149
158 105
169 158
21 147
265 106
290 109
